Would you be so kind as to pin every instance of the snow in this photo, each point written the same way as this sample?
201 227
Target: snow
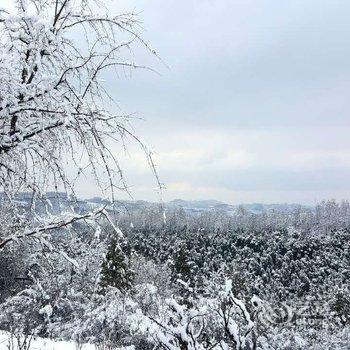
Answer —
46 310
228 286
48 344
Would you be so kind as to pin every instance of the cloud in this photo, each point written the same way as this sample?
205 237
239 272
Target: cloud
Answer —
271 163
254 107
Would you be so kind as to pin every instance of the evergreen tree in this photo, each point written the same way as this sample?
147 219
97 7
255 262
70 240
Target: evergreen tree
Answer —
116 271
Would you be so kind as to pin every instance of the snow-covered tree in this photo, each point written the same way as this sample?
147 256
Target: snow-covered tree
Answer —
219 322
116 270
54 110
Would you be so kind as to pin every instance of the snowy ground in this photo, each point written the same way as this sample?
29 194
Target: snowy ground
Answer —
46 344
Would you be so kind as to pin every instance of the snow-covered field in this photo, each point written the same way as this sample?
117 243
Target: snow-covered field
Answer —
45 344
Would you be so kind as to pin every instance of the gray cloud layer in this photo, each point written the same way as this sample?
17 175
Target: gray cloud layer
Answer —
255 105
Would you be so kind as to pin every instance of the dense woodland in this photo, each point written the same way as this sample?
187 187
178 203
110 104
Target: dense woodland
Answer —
210 280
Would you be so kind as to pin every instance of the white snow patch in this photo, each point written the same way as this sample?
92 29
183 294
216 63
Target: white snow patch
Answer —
48 344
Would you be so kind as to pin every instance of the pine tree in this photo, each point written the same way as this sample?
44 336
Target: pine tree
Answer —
116 271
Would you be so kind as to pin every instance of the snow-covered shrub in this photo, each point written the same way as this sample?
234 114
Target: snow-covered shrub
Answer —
218 322
111 318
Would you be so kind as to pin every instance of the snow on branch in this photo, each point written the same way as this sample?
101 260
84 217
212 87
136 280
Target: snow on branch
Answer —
54 109
59 222
219 323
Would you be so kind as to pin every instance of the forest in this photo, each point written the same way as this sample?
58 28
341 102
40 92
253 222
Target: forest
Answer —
210 280
135 275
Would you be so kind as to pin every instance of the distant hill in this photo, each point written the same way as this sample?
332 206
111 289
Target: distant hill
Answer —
60 201
204 205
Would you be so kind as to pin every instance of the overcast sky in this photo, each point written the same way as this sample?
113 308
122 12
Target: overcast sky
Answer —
254 106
